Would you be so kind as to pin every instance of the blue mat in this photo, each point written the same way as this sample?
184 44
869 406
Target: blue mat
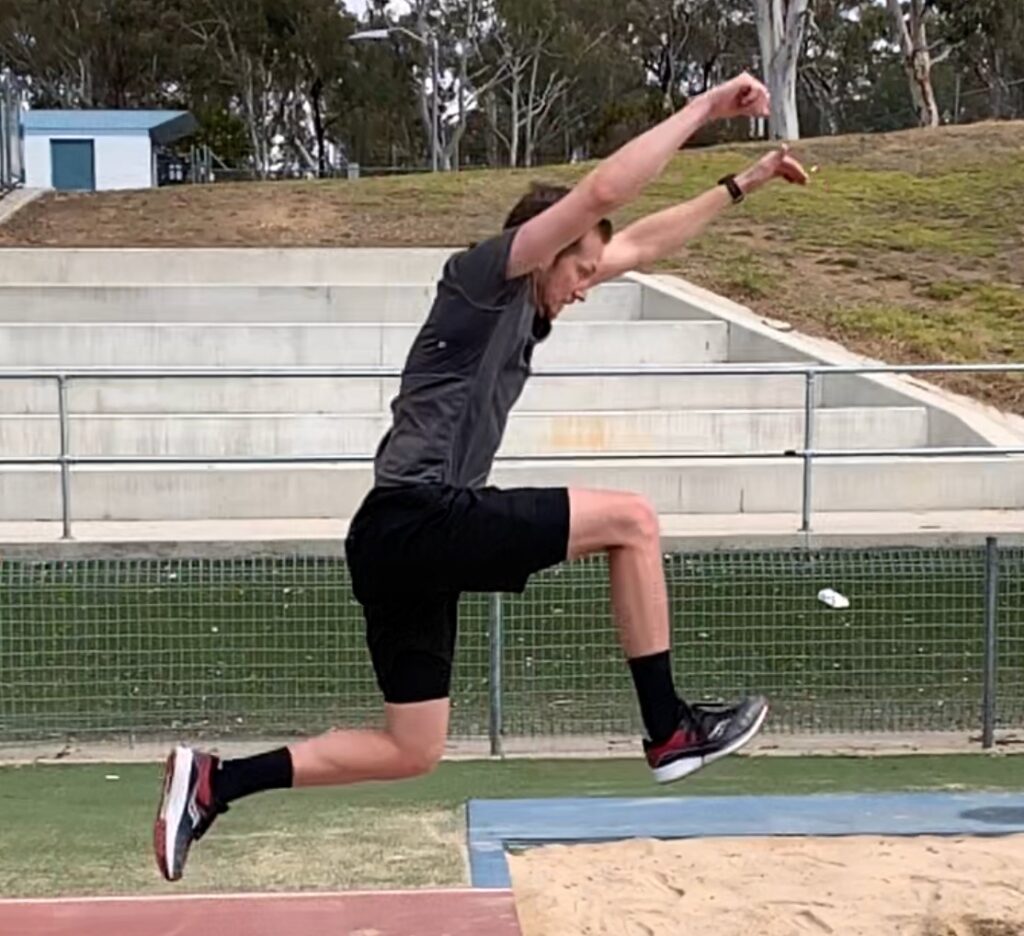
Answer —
495 824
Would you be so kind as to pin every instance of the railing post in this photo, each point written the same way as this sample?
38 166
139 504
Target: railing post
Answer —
65 478
810 388
494 682
988 702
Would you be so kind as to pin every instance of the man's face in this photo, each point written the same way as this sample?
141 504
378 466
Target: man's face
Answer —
567 280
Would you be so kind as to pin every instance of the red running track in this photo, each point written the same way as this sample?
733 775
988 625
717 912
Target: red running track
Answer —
462 912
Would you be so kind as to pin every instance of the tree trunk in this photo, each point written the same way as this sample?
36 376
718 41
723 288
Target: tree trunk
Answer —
780 29
492 123
462 110
316 99
251 118
784 121
425 115
566 137
531 104
919 70
513 137
911 34
668 80
998 90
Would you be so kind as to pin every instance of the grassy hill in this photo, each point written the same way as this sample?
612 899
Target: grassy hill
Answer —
908 246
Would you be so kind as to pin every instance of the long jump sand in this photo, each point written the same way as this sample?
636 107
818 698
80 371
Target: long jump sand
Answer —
855 886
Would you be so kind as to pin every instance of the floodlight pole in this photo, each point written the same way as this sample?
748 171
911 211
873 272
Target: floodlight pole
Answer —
431 43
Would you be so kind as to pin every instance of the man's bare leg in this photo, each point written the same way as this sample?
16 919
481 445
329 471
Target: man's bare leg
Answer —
625 527
197 787
410 744
682 739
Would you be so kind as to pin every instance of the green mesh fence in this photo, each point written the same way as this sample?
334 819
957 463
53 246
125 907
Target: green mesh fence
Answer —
250 647
1010 669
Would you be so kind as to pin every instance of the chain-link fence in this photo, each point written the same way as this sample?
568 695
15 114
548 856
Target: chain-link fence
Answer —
1009 688
120 649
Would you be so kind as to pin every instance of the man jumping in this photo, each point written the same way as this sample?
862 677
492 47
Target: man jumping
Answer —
430 529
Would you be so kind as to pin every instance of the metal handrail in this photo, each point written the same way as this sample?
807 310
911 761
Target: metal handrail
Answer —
810 372
654 370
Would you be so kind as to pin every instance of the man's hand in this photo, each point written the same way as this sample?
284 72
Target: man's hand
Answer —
777 164
742 96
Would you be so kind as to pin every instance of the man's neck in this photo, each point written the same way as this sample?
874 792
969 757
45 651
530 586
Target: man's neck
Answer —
536 293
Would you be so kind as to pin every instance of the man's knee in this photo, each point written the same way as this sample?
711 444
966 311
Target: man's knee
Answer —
633 522
418 731
601 520
641 521
419 759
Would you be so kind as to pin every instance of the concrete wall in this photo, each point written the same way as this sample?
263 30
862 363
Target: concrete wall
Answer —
122 161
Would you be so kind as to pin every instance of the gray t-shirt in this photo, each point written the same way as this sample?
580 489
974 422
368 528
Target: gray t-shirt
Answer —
465 370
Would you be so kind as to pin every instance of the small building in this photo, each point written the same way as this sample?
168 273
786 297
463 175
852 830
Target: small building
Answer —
92 150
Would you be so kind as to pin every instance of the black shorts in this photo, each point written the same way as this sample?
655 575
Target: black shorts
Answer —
413 550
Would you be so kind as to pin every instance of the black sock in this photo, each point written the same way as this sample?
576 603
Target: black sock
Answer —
660 707
247 775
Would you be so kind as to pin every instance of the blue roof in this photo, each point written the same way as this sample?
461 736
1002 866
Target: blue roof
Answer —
162 125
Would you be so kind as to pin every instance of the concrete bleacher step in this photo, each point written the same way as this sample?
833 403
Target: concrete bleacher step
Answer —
236 395
700 486
325 536
529 433
253 266
352 345
338 302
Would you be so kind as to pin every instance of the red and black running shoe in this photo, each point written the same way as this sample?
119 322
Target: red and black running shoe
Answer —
708 734
187 808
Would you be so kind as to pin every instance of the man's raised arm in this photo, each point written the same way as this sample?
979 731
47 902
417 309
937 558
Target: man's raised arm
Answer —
621 177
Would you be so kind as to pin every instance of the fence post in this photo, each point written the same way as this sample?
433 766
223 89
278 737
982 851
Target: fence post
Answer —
494 682
65 478
810 387
988 703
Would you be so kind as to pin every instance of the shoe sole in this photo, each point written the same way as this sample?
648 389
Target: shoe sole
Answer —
689 765
177 775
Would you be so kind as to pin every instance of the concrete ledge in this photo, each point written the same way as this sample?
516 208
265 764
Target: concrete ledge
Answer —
680 533
364 395
554 747
692 486
773 431
241 266
263 344
221 302
14 201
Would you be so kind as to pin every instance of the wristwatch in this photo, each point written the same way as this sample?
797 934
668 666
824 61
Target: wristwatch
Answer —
732 185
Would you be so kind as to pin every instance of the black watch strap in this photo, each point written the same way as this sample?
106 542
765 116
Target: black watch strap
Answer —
732 185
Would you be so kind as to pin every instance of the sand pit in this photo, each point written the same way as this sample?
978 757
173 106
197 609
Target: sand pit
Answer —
854 886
